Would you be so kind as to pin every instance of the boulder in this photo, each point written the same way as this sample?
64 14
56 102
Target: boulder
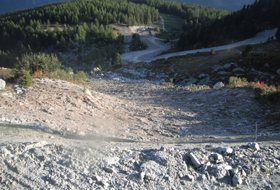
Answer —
224 73
227 66
219 85
195 161
254 146
206 81
238 70
217 68
278 72
202 75
2 84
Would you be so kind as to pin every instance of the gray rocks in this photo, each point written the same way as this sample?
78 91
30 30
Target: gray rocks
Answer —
2 84
219 85
224 150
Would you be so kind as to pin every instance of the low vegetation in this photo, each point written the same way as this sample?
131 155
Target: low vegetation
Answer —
265 92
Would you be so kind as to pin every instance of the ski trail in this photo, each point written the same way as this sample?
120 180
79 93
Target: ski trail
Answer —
162 23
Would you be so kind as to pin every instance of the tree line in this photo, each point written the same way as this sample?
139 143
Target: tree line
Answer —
74 21
236 26
191 13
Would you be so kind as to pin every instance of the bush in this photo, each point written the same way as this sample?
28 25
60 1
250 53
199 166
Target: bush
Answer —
212 52
248 50
26 81
116 59
38 62
237 82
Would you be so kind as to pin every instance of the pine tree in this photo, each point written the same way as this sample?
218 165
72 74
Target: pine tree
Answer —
116 60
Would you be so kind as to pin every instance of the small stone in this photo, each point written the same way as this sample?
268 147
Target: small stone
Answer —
190 177
202 177
217 157
195 160
236 180
224 150
142 175
87 92
162 148
104 183
183 182
112 160
234 171
180 174
2 84
264 168
254 146
96 177
207 175
108 170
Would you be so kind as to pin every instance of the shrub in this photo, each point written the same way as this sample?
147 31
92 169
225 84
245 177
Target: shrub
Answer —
38 62
167 84
26 81
248 50
212 52
237 82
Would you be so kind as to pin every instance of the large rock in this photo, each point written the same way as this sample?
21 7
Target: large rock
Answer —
217 68
224 73
238 70
219 85
2 84
254 146
195 161
278 72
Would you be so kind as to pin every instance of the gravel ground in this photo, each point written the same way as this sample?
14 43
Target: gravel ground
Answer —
118 135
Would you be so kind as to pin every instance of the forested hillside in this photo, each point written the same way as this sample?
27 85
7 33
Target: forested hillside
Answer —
191 13
60 23
237 26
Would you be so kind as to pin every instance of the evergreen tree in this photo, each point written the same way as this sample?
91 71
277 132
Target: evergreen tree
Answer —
116 60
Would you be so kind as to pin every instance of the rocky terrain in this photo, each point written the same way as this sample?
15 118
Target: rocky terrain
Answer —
117 135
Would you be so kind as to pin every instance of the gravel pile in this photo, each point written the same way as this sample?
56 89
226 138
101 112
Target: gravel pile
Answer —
75 164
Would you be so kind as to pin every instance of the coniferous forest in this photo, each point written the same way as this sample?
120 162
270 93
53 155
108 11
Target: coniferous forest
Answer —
236 26
88 21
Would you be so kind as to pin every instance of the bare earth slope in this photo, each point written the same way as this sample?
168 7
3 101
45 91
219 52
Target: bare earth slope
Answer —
139 111
204 121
